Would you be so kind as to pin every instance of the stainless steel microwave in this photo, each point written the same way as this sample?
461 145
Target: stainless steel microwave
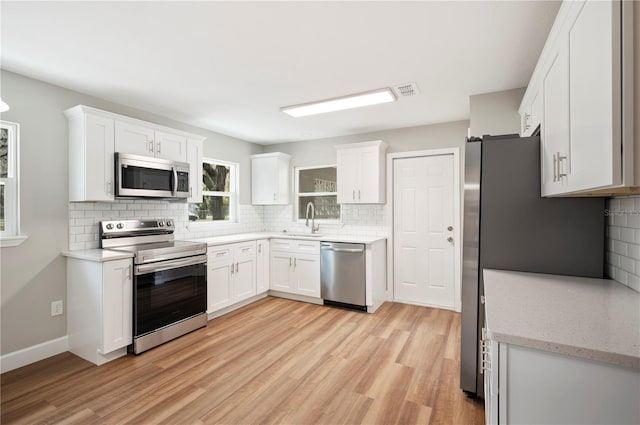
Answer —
145 177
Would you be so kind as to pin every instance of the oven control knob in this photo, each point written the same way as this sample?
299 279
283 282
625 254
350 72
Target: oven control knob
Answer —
120 225
161 223
109 226
169 223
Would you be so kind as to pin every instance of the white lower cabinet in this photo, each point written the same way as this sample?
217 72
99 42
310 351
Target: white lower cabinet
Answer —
295 267
529 386
99 308
231 274
262 266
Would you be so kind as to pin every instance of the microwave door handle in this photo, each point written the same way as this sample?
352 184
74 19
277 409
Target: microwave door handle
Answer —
175 180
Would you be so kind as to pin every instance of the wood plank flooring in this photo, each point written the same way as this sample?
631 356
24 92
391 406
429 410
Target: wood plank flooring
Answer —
274 361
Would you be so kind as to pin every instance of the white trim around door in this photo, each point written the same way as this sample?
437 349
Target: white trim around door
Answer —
457 234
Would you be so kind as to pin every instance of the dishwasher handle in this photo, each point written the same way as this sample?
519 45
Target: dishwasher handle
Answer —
330 248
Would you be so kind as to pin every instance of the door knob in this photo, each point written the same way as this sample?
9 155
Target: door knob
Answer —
449 239
450 228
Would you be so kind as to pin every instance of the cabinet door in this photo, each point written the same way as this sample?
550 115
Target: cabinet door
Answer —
281 269
307 275
194 158
262 266
369 187
117 305
594 89
134 139
219 279
170 146
244 274
555 128
264 181
347 175
99 159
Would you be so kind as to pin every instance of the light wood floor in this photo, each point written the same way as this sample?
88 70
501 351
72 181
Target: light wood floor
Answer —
275 361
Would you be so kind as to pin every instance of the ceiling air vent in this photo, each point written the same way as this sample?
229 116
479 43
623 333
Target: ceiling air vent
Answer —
407 89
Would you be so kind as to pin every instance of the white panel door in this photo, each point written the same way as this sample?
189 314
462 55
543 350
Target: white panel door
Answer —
134 139
171 146
307 275
219 283
423 244
117 301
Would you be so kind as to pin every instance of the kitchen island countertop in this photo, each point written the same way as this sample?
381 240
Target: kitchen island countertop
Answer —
596 319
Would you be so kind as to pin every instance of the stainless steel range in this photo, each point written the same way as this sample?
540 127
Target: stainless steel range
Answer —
170 279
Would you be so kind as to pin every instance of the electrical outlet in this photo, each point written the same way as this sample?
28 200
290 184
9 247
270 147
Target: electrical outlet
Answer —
56 308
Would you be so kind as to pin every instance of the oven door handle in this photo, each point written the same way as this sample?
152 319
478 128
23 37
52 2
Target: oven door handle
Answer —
168 265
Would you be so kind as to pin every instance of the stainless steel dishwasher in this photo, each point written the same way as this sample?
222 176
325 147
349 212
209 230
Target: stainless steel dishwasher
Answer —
342 275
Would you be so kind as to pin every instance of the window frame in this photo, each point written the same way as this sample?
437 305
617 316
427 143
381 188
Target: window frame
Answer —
297 195
234 173
11 235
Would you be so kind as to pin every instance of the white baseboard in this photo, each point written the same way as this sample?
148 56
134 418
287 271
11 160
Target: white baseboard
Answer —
33 354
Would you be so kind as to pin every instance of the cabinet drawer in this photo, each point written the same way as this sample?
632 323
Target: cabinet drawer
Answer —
219 252
306 247
281 244
247 248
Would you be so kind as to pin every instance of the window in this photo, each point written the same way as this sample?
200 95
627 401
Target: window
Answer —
219 193
9 193
318 186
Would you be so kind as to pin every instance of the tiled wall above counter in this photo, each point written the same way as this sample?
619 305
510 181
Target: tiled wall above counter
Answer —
84 217
623 240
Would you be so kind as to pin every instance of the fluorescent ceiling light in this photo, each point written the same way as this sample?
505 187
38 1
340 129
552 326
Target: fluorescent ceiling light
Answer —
339 103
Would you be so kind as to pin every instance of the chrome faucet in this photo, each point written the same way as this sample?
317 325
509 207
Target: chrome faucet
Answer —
314 228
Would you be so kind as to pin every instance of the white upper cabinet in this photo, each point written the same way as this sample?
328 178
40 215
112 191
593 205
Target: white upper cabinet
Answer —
270 179
361 173
194 158
91 159
582 90
94 137
139 139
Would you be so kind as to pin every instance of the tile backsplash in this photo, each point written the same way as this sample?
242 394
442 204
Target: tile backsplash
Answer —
84 218
623 241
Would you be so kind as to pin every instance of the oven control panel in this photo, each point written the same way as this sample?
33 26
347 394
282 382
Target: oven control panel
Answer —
114 228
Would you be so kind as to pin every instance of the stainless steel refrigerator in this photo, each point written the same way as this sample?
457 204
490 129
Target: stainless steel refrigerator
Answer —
509 226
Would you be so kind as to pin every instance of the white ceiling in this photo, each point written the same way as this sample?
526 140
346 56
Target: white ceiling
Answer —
230 66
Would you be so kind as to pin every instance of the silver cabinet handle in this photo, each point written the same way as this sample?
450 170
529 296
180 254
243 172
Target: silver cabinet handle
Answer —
290 261
353 197
158 149
555 168
259 248
358 194
275 196
150 145
232 268
237 267
295 263
109 187
527 125
560 159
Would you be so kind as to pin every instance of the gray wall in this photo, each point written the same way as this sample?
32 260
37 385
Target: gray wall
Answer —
34 273
495 113
322 152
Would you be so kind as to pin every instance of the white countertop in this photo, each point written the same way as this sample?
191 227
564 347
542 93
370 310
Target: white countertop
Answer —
597 319
99 255
242 237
